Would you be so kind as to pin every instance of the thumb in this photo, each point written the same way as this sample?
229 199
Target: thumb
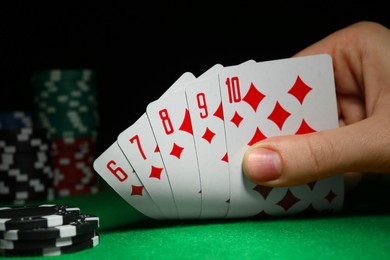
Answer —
299 159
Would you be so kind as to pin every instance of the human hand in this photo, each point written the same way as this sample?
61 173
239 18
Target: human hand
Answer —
361 60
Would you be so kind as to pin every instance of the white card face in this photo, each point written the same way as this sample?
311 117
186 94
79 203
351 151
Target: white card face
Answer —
279 97
113 167
138 144
204 104
171 124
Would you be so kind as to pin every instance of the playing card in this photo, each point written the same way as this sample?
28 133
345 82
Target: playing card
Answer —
278 97
113 167
205 108
171 124
139 146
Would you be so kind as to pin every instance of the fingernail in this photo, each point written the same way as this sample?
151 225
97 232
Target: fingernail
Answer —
264 165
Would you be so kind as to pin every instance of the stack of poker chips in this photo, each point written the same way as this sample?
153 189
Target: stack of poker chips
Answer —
16 119
46 230
66 105
26 172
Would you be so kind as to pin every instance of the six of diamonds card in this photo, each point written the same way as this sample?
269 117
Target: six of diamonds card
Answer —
182 158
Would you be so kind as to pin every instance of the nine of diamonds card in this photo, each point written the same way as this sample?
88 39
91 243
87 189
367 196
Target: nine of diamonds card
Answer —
182 158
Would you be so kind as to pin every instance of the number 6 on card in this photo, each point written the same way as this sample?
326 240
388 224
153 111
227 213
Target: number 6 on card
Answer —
113 167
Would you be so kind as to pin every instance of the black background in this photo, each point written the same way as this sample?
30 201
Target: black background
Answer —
140 48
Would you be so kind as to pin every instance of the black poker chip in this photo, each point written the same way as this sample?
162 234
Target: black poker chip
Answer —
25 196
46 243
84 224
53 251
41 216
27 136
46 236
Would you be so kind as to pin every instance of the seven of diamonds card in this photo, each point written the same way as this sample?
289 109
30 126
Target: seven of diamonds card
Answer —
203 130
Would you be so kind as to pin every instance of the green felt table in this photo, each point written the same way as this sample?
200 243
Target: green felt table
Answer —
360 231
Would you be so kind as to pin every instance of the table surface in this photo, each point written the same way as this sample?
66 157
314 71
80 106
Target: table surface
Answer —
360 231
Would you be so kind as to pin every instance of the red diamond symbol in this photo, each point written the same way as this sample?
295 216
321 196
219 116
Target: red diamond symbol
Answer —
279 115
219 112
288 200
258 136
304 128
208 135
176 150
236 119
186 125
253 97
225 158
136 190
299 90
155 172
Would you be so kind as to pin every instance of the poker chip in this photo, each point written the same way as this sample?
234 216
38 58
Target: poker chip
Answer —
72 159
46 243
65 102
21 197
46 230
84 224
55 75
26 172
27 217
16 119
52 251
66 106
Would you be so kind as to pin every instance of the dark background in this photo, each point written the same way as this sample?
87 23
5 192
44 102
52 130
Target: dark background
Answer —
140 49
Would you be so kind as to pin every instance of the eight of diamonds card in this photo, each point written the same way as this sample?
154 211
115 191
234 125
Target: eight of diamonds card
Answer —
170 120
278 97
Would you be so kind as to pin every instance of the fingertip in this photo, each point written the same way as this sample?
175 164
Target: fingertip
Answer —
262 165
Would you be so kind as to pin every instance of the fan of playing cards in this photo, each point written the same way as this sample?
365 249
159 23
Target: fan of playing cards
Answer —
182 158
